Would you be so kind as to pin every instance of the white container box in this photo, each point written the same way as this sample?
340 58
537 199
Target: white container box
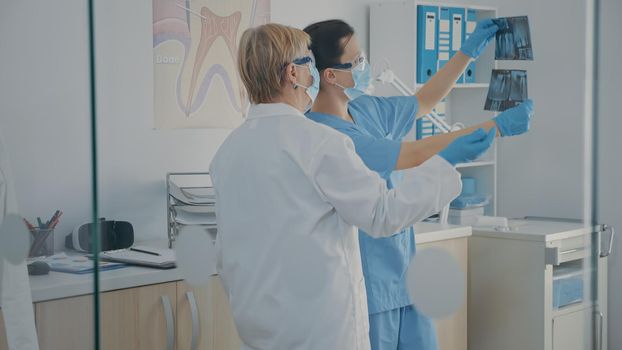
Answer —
467 216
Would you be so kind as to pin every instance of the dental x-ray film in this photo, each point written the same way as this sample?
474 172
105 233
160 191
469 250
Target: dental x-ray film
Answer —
508 88
513 41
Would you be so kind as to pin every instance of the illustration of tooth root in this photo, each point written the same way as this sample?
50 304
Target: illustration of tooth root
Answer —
212 27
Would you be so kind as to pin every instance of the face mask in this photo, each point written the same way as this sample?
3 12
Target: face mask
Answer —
313 89
361 75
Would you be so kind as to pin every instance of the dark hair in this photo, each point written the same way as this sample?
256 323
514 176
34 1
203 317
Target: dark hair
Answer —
326 43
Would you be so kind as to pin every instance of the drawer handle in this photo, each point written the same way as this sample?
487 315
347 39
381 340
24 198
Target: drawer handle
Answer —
194 312
554 257
170 323
569 251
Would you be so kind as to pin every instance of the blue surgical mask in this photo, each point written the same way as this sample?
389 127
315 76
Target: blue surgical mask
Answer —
313 89
361 75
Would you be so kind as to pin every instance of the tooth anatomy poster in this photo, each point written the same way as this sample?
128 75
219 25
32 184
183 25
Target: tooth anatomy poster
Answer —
195 44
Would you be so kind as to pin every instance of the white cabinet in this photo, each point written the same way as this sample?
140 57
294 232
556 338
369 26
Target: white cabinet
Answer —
569 330
452 331
530 287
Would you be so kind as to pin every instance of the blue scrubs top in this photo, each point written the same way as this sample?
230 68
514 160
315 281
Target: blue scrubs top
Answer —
379 125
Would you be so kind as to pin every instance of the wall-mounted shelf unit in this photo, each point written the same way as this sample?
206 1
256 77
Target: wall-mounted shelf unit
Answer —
464 104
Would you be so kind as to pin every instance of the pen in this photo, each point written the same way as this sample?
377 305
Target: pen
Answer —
49 222
40 222
144 251
55 216
29 225
54 222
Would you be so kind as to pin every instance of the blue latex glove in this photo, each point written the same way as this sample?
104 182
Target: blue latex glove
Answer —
516 120
469 147
479 39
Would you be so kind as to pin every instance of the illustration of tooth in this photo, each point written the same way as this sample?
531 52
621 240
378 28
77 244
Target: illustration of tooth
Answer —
212 27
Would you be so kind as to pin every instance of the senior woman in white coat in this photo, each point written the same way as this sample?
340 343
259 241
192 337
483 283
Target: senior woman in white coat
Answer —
290 193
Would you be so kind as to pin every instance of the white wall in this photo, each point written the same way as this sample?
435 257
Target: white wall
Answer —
44 107
133 157
610 146
542 172
302 13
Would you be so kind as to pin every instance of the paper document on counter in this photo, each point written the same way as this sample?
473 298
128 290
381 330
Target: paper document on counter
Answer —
78 264
160 258
193 195
190 217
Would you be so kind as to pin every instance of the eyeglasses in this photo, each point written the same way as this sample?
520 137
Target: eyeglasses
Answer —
303 60
357 64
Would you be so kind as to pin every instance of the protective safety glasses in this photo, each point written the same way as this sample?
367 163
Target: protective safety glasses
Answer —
306 61
303 61
357 64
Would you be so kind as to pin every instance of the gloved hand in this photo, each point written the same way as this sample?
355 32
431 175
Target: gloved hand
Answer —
516 120
469 147
479 39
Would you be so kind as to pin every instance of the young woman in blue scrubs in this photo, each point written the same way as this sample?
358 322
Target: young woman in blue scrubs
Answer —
377 126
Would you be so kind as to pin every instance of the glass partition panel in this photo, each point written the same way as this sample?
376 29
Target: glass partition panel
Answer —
46 177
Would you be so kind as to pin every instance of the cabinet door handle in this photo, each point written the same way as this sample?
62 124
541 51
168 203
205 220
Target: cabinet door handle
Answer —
194 312
170 323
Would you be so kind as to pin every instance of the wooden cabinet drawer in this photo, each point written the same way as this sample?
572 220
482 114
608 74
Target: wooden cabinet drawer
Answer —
3 343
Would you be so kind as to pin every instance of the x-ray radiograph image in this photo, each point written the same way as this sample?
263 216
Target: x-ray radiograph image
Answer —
508 88
513 40
518 90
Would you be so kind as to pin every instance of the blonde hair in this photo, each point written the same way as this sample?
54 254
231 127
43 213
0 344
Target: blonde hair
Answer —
263 54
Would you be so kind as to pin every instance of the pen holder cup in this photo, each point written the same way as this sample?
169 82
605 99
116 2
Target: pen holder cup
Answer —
41 242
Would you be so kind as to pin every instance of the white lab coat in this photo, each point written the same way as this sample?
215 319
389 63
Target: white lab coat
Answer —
15 295
289 194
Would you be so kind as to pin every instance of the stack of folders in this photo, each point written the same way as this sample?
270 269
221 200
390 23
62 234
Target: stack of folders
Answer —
440 33
190 205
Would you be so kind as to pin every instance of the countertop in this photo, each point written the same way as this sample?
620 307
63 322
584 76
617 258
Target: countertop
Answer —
59 285
426 232
538 229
